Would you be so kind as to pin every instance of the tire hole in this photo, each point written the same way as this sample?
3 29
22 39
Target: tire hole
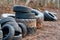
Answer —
5 31
17 33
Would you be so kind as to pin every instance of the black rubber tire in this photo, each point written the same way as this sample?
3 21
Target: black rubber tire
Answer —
37 13
8 32
20 8
25 16
18 31
49 17
5 20
15 26
24 29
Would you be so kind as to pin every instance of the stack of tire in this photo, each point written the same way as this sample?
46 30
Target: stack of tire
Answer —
10 29
24 15
15 28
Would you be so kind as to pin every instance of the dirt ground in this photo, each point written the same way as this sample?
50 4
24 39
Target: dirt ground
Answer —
50 30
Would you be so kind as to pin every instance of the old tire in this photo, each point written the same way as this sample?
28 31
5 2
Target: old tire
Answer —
49 17
15 26
5 20
8 32
24 29
23 9
37 13
18 32
25 16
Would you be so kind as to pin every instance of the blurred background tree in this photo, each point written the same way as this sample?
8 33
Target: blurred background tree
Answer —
6 6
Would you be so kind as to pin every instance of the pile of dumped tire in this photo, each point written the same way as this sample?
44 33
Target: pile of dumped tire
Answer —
24 15
23 23
10 29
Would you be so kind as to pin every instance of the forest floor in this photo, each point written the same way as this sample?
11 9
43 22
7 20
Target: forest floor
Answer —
50 30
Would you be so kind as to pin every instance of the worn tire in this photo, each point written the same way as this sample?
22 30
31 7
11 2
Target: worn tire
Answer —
25 16
15 26
5 20
20 8
37 13
49 17
8 32
24 29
